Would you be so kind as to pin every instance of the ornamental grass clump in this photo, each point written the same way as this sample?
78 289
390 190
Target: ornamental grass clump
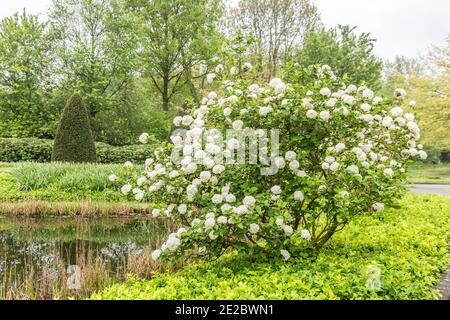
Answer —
277 169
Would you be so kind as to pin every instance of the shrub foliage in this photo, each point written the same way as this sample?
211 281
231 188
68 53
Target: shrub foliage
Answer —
74 141
342 152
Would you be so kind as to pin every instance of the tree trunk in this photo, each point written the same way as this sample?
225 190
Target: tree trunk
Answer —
165 93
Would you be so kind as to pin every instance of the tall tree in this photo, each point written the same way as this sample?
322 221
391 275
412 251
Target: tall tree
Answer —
346 52
278 25
97 45
178 35
24 84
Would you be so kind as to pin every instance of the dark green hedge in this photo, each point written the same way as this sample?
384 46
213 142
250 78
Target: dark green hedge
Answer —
74 141
40 150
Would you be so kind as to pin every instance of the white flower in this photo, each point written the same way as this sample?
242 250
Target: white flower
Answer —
249 201
156 213
217 198
366 107
311 114
177 121
409 117
112 178
339 147
325 92
294 165
173 174
126 189
247 66
210 77
334 166
331 103
205 176
412 104
233 70
378 206
349 100
128 164
254 228
276 190
290 156
325 166
227 112
143 138
287 230
264 111
279 162
139 195
241 209
279 222
238 124
278 85
187 120
302 174
307 103
324 115
212 95
400 93
387 122
210 215
180 232
222 220
423 155
388 172
353 169
156 254
377 100
285 254
230 198
367 94
218 169
182 208
351 88
219 68
209 223
305 234
212 235
396 112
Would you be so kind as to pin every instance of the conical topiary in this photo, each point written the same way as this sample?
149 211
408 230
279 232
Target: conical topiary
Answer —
74 141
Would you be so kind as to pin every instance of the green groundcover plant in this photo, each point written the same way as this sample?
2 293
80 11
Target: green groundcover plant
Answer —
320 153
397 254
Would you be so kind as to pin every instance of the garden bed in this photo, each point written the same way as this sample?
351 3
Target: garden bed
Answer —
408 246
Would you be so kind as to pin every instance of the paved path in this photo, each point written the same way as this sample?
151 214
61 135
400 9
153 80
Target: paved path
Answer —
439 189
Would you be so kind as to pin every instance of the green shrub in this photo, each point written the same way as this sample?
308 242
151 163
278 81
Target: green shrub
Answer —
25 149
74 141
409 245
40 150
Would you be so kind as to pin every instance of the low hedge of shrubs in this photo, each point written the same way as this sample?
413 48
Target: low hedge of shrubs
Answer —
40 150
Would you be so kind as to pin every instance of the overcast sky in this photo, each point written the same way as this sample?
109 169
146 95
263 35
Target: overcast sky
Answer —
401 27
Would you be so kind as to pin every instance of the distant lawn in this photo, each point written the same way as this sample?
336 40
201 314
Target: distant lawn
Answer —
36 189
430 173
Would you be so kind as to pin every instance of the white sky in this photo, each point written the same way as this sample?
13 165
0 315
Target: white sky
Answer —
401 27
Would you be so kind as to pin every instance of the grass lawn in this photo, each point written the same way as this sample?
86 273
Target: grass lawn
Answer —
408 246
430 173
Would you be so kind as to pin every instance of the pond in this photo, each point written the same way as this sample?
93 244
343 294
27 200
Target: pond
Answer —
43 258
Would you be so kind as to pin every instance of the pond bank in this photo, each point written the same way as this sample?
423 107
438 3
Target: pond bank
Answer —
83 208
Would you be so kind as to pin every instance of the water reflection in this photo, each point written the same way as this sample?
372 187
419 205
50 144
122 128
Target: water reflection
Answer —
47 246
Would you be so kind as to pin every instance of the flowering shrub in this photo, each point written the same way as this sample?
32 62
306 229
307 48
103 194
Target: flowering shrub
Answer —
342 152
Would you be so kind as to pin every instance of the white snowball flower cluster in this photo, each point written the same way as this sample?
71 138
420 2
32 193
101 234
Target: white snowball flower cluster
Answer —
342 152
